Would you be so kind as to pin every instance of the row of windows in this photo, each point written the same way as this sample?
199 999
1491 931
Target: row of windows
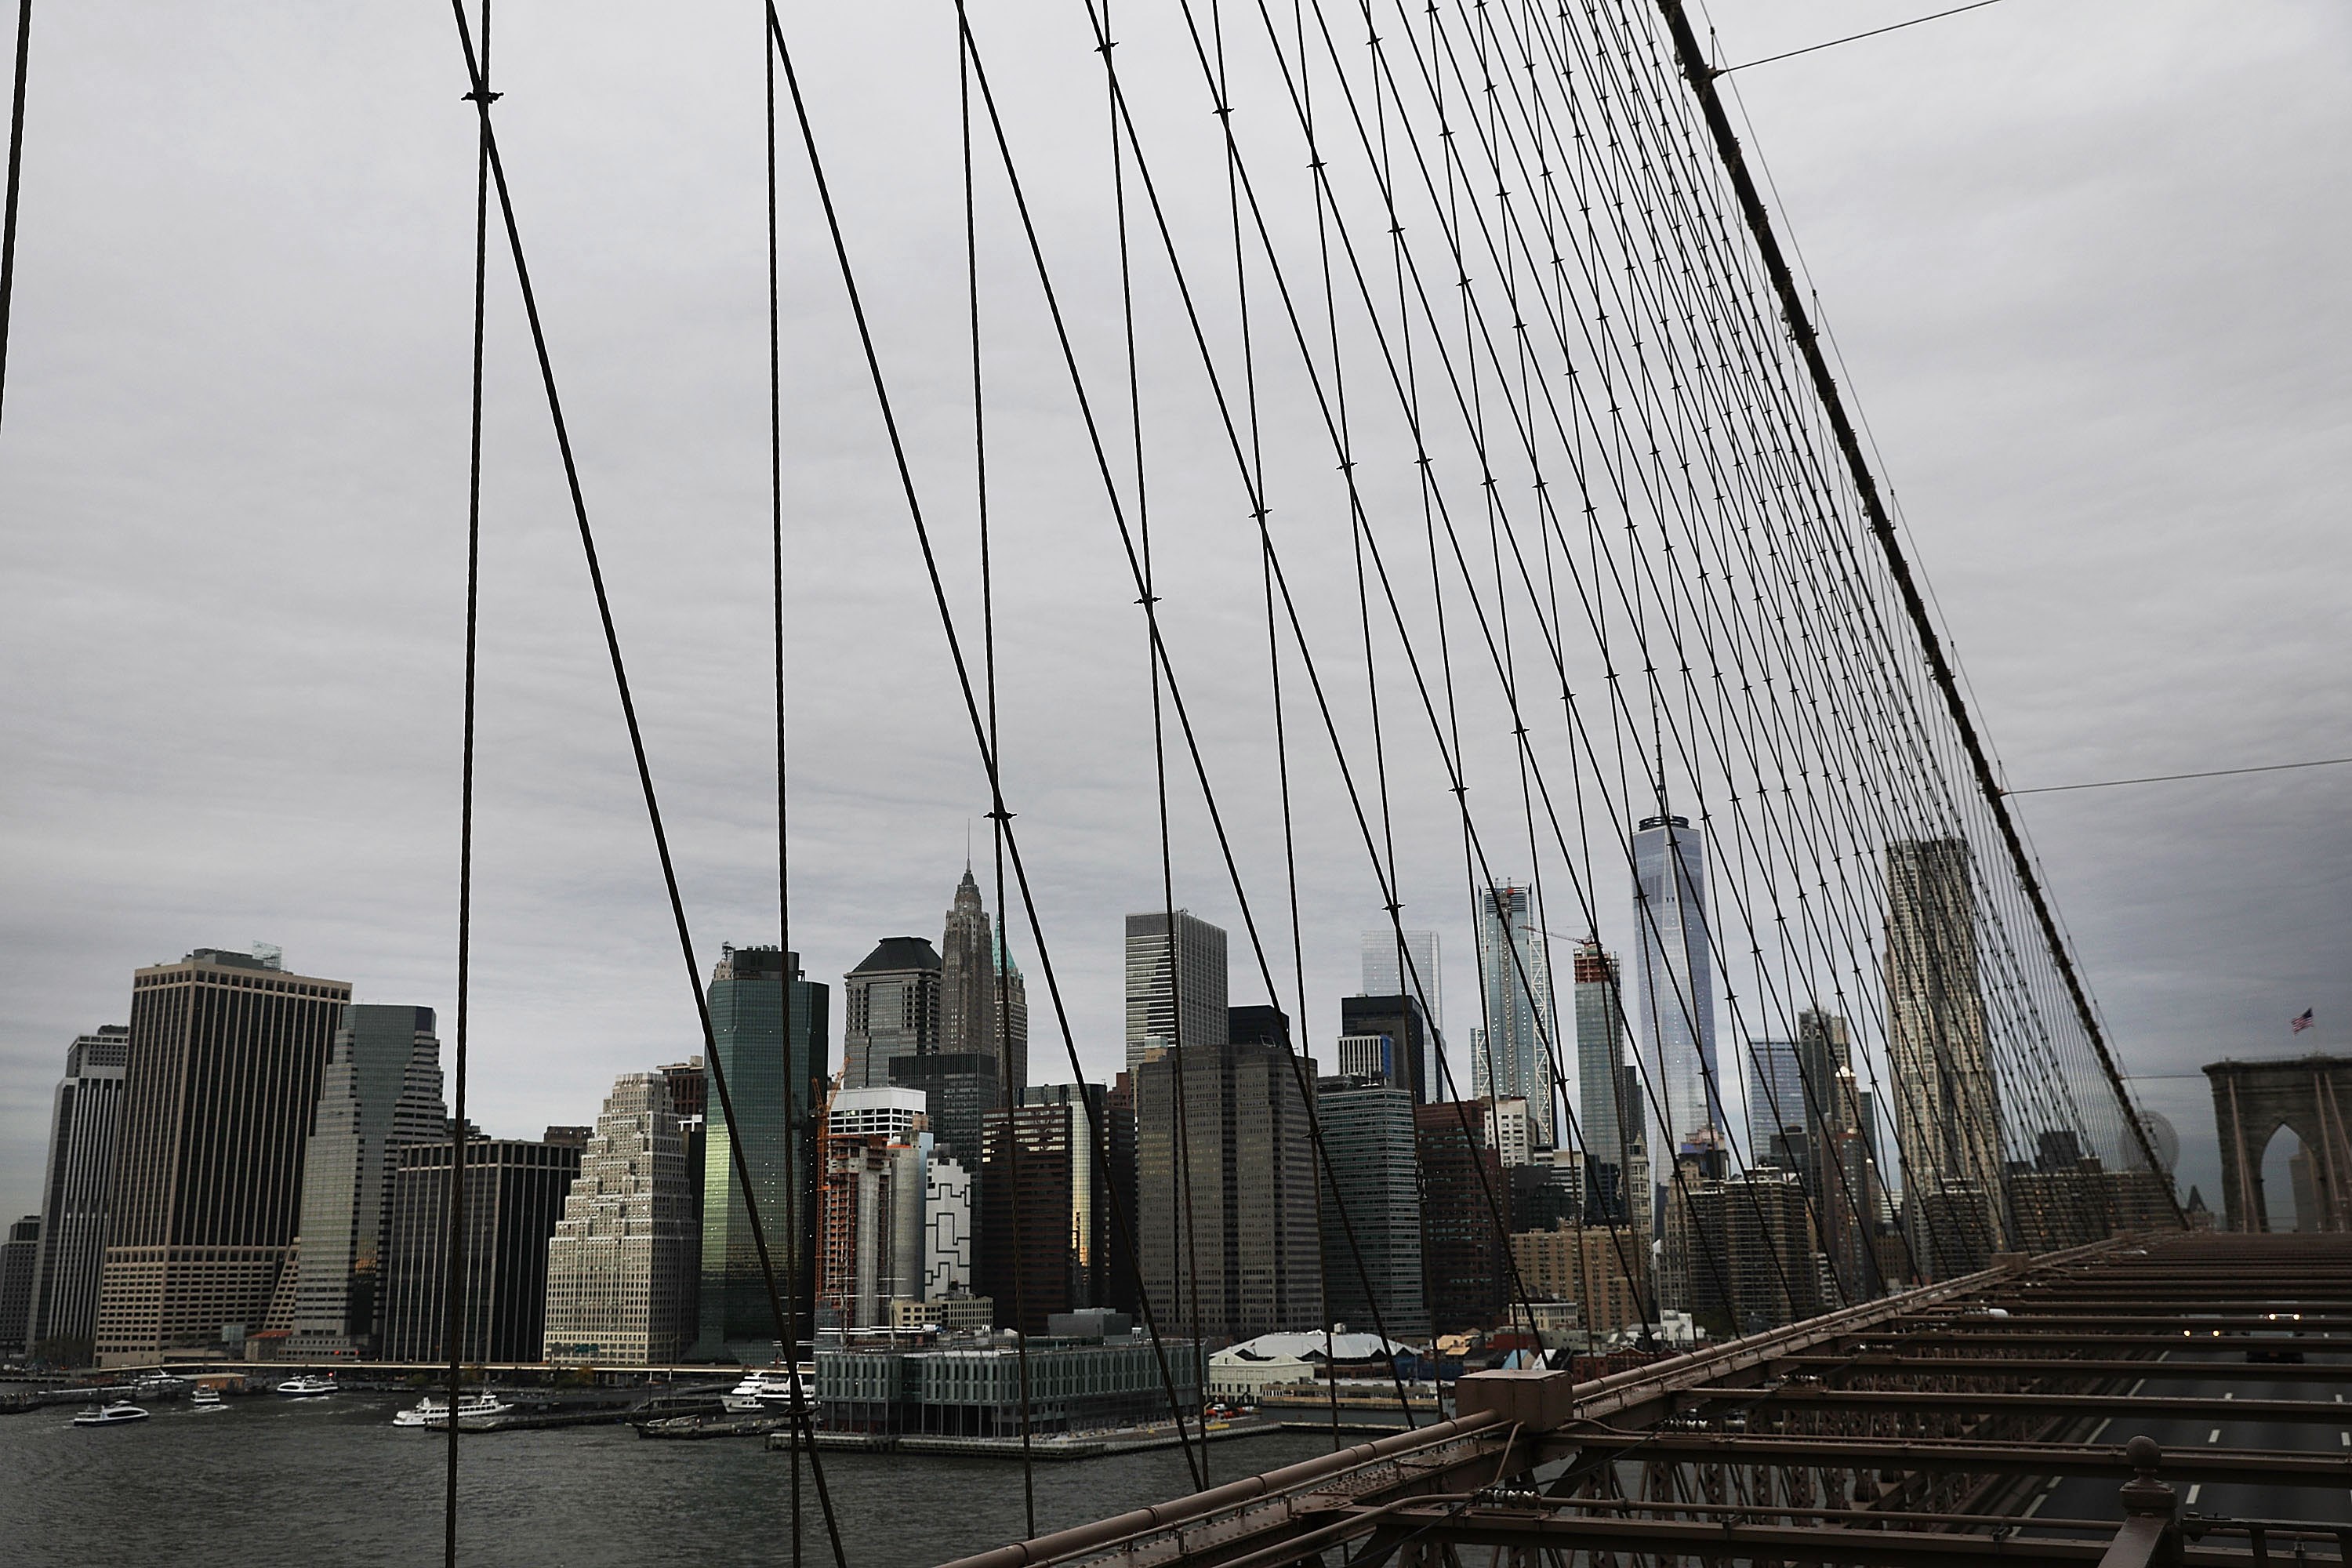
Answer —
243 982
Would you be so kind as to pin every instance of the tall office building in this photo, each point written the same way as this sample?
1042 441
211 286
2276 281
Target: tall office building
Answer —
1043 1202
1123 1289
1609 1100
1175 987
972 1023
871 1172
618 1292
890 1008
1677 996
382 1090
1511 1056
1372 1197
18 1253
688 1083
1465 1218
514 1194
1230 1244
227 1050
958 1089
1776 1095
1411 1043
1947 1106
63 1314
1389 972
772 1052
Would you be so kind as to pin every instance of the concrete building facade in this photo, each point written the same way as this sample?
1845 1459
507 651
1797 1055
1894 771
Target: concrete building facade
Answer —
618 1290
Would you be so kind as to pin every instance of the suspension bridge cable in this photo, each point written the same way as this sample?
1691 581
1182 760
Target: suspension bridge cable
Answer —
887 408
454 1263
799 1138
1852 38
15 180
628 705
1696 71
1129 543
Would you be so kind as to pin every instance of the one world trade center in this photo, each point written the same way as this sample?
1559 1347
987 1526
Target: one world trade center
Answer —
1677 996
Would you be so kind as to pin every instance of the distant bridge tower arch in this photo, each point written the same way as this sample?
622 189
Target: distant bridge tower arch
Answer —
2306 1094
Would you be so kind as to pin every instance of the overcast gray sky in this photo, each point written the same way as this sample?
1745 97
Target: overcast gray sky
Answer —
2083 260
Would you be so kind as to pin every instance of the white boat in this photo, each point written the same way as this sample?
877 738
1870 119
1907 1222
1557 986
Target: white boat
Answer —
432 1412
157 1385
118 1414
307 1386
768 1390
206 1397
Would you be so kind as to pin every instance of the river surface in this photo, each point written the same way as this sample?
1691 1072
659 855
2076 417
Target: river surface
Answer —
269 1483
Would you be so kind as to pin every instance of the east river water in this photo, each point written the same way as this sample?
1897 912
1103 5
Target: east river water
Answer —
269 1483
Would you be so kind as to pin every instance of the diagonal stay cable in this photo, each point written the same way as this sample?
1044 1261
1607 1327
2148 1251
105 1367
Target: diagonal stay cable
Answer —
15 180
629 713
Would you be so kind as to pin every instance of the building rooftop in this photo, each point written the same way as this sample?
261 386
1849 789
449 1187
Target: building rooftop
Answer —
900 952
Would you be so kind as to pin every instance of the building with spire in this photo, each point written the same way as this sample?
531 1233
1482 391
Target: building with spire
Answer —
616 1277
382 1090
1676 999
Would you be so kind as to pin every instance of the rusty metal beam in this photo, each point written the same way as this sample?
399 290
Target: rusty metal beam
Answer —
1879 1366
2155 1407
2268 1466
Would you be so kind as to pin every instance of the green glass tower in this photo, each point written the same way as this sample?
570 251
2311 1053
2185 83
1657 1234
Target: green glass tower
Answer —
764 1072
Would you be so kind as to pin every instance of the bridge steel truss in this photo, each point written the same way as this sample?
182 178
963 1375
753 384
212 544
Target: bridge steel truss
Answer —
1918 1428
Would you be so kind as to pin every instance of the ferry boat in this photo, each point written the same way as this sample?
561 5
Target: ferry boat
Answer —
158 1385
307 1386
432 1412
205 1399
120 1413
768 1390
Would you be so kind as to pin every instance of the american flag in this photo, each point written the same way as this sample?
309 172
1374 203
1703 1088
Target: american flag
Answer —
2300 1025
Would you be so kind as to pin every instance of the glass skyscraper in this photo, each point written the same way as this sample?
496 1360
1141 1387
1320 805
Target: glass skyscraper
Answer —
747 1027
1511 1055
1676 994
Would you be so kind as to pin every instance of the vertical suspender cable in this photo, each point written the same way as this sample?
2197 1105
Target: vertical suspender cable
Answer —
16 180
453 1264
579 501
1008 1092
1701 76
798 1138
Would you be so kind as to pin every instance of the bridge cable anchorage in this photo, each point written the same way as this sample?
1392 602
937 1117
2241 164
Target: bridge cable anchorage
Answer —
15 180
1701 79
481 98
454 1263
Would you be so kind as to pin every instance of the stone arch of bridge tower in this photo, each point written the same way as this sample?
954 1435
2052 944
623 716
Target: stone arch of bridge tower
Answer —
2306 1094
